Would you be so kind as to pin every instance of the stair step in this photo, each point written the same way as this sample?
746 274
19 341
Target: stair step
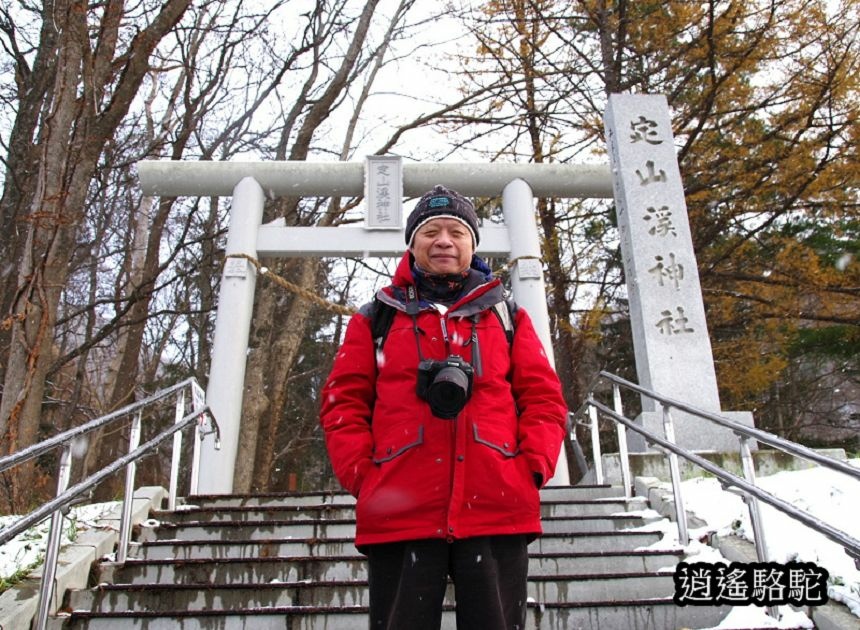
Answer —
596 507
279 513
222 549
344 568
629 615
581 493
550 494
591 563
346 511
576 524
206 572
584 542
167 597
274 499
325 529
248 530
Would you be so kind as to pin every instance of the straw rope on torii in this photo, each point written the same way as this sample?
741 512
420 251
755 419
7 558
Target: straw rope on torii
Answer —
340 309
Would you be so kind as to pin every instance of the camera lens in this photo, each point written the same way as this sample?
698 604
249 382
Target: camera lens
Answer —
448 393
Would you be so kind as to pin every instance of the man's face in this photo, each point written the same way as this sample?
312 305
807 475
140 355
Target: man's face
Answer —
443 246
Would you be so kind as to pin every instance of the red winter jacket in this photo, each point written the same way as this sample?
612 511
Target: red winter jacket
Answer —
417 476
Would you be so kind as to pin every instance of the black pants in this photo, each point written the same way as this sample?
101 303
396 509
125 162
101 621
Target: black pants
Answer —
408 582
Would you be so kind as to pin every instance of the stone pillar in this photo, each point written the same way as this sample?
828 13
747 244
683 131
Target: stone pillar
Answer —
667 314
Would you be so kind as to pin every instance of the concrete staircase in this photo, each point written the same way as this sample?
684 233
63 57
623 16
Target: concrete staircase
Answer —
288 561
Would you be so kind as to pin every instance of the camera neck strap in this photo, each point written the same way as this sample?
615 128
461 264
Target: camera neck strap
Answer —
412 308
476 350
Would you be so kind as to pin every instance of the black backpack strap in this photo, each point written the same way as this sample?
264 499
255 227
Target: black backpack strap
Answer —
381 318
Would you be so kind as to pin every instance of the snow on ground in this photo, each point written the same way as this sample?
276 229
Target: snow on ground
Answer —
27 549
829 495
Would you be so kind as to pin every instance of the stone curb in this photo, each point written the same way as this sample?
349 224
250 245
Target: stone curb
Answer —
19 604
767 462
662 500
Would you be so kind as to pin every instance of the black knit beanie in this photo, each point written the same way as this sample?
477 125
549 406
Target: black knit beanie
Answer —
446 203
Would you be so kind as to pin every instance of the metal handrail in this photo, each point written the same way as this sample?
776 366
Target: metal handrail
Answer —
762 436
730 479
67 497
58 506
752 493
62 438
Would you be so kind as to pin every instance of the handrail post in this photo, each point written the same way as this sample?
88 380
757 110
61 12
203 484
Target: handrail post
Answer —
128 498
198 402
595 446
752 502
755 512
52 552
675 471
177 452
623 455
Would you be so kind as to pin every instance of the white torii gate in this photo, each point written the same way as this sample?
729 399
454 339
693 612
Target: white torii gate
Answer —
250 183
670 336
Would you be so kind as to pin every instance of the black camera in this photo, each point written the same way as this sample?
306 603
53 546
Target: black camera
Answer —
445 385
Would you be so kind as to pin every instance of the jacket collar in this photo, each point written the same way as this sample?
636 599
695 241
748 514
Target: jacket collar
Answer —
487 291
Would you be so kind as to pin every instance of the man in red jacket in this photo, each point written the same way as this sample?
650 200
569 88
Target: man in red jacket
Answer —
444 429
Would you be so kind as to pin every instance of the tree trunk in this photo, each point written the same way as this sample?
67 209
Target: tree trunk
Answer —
70 141
287 341
43 270
34 86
